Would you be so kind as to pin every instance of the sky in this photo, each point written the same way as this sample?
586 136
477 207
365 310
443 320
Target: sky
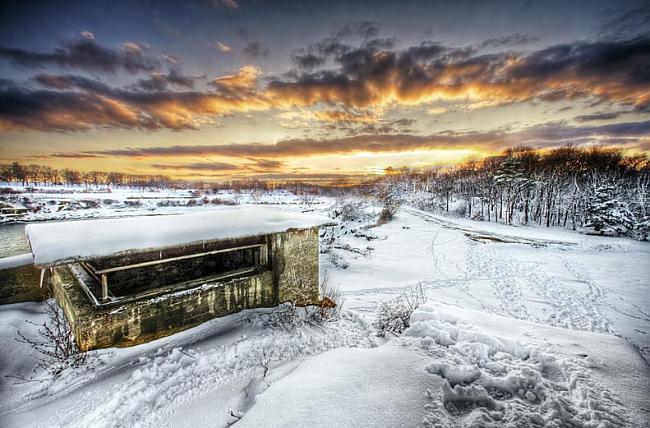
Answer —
316 91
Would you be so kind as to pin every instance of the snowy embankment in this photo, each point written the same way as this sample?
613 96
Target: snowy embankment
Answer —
524 325
456 367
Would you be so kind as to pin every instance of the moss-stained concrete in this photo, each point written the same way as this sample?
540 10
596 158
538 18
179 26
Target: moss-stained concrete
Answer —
295 265
21 284
148 319
292 275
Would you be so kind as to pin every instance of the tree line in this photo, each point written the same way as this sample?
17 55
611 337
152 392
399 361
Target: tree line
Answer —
597 190
36 175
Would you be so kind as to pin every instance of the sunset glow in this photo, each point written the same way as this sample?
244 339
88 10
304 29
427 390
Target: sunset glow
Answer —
206 90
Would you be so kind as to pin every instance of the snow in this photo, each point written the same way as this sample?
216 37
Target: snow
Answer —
555 277
16 261
533 370
538 375
60 243
347 388
525 326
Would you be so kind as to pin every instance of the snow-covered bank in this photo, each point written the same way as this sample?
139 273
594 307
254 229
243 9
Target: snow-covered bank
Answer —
457 367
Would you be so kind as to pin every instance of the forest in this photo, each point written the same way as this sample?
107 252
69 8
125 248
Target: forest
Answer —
594 190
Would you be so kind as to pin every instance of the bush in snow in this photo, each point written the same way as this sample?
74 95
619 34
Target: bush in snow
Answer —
394 316
55 345
219 201
607 215
288 316
349 211
387 212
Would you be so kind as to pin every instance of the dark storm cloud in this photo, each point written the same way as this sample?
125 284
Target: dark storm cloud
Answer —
61 111
160 81
331 46
307 60
86 54
617 25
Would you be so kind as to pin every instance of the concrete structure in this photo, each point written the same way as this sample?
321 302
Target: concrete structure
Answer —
143 293
20 284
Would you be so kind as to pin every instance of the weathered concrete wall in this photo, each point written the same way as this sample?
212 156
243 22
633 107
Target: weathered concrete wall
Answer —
295 265
293 275
21 284
145 320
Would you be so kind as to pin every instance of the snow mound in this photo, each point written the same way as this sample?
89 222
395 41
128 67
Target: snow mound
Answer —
491 380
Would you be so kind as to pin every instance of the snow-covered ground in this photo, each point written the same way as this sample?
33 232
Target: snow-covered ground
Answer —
524 326
77 202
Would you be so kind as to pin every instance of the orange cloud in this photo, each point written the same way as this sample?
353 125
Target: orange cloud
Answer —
242 82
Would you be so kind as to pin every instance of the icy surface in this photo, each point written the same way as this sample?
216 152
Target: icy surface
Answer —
58 243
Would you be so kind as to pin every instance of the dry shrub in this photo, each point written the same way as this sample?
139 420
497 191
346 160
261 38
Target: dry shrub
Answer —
387 213
394 316
55 345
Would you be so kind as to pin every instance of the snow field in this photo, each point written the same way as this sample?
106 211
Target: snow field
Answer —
525 326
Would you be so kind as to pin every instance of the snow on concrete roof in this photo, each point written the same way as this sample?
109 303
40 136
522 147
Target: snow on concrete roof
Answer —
65 242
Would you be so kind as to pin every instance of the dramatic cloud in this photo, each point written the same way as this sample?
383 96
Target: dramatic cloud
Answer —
620 25
548 135
374 75
160 82
352 85
267 164
598 116
255 165
81 103
241 83
86 54
307 60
